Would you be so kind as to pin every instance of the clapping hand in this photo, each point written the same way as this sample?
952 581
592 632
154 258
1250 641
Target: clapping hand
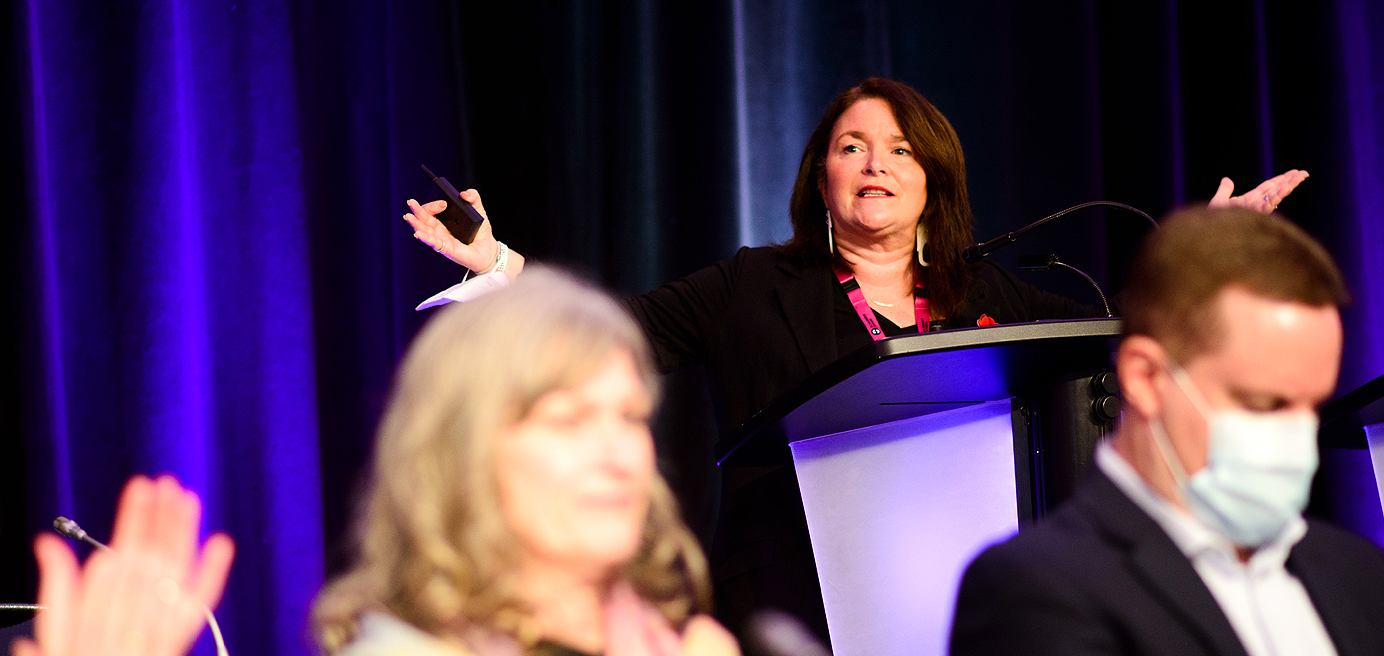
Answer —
146 595
1264 198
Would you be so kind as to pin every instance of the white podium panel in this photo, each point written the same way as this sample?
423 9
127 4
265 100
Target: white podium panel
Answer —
896 511
1374 437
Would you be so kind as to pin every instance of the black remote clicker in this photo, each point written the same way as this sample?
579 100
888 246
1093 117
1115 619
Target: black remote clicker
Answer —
460 218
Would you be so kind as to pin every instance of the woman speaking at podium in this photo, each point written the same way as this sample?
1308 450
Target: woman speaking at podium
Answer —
880 218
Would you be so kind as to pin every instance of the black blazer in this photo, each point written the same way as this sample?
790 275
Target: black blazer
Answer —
1101 577
761 323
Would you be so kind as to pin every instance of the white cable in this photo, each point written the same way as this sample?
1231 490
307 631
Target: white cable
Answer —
216 633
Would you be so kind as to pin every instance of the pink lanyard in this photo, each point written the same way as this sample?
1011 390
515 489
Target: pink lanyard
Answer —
867 315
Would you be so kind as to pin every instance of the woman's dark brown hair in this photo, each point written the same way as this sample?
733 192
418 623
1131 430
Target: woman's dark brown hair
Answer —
947 215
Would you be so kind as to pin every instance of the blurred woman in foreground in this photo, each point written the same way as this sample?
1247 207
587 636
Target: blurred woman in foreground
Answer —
515 506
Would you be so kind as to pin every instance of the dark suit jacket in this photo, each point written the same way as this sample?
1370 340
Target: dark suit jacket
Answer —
1099 576
761 324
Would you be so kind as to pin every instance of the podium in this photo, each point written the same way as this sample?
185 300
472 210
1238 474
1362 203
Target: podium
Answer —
915 453
1352 435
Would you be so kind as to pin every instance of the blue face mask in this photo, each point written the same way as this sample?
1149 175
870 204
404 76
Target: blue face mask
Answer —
1259 468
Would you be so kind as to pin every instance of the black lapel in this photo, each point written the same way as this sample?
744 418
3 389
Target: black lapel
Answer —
1342 620
805 298
1158 564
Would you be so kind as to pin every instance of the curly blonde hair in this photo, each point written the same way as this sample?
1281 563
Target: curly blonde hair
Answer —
431 544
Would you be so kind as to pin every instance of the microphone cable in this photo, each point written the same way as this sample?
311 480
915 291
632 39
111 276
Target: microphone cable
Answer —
69 529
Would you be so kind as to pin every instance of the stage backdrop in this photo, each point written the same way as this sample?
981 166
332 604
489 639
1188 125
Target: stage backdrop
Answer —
205 270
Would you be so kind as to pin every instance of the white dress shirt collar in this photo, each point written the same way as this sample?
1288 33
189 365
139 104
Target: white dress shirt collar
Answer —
1267 607
1191 536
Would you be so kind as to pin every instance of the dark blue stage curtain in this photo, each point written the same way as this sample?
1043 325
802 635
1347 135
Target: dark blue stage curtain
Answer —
205 271
1360 244
171 281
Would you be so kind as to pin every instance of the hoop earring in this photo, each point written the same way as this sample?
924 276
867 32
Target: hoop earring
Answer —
831 242
923 255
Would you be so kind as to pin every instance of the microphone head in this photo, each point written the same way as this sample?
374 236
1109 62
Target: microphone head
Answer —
1036 262
776 633
69 529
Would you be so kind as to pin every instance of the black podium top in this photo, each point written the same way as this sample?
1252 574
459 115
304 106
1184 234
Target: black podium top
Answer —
915 375
1344 419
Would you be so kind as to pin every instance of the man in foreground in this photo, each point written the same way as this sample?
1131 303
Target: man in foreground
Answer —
1187 538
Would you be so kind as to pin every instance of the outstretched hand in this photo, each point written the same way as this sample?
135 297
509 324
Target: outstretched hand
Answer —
146 595
1264 198
477 256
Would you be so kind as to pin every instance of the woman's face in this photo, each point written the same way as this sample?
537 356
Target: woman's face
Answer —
574 475
873 184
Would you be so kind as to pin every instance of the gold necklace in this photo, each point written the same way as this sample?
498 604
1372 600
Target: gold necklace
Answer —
881 304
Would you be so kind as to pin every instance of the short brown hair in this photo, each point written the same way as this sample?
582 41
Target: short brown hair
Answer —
947 215
1182 267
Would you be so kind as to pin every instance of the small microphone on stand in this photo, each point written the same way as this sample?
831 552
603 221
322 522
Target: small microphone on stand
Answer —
68 529
71 530
1042 262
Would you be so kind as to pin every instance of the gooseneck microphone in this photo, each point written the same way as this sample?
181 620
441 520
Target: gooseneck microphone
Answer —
978 252
71 530
1041 262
